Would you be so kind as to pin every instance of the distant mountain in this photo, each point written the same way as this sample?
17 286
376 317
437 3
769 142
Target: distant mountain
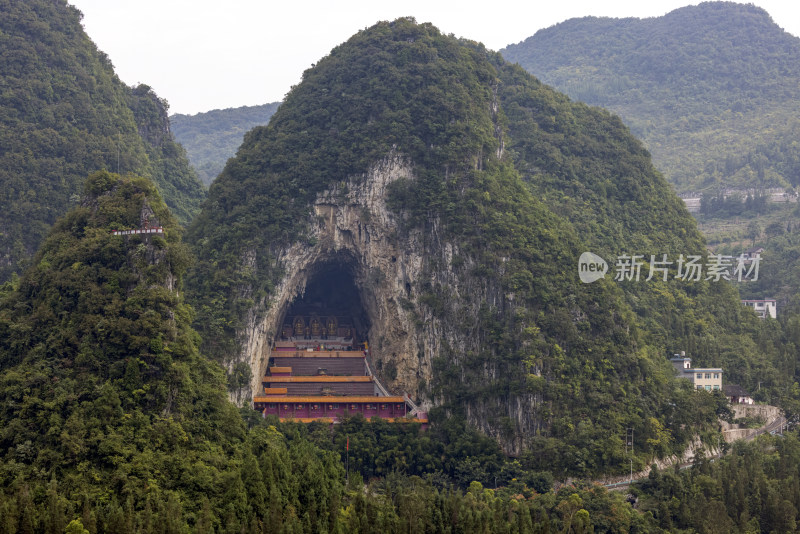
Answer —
212 137
64 114
712 89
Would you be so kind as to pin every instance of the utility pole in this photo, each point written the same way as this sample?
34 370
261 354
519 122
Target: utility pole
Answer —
629 443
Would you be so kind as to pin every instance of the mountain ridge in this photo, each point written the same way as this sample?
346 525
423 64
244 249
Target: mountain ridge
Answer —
471 242
212 137
64 114
711 89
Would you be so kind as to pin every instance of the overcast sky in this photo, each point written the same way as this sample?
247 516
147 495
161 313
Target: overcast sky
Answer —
212 54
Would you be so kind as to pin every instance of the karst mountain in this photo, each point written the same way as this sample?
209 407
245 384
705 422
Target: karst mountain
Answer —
64 113
443 196
712 89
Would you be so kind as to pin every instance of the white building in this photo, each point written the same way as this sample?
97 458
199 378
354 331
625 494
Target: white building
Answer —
708 379
763 308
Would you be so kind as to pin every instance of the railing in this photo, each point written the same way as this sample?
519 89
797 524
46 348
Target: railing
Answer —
153 230
377 382
414 407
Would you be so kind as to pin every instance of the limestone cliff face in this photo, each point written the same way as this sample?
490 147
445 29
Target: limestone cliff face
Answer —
351 226
417 288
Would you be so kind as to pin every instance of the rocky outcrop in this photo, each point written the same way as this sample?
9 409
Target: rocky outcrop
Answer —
761 411
765 413
420 292
401 276
151 116
351 227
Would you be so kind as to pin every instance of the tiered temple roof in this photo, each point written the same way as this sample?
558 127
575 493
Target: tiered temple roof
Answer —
315 379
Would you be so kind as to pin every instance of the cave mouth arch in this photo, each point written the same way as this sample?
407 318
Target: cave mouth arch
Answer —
330 308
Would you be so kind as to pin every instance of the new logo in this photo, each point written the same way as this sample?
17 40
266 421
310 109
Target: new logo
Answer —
591 267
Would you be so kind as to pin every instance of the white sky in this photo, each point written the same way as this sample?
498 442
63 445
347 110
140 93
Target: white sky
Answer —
211 54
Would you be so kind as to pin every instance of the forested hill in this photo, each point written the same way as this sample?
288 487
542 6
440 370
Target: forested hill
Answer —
63 114
516 180
212 137
113 420
712 89
109 415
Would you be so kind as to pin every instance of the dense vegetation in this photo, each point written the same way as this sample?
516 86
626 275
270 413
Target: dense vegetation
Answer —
755 489
64 114
109 413
712 89
113 422
211 138
589 361
169 167
719 205
584 165
780 272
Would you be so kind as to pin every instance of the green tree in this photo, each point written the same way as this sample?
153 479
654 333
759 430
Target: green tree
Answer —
75 527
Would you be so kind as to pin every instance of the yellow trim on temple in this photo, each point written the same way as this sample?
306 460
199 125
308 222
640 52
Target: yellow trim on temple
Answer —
317 378
316 354
330 420
323 399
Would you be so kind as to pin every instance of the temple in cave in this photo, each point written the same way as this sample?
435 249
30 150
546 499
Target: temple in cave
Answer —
319 367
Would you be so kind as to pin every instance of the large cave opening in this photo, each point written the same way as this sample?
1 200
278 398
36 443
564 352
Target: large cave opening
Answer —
329 311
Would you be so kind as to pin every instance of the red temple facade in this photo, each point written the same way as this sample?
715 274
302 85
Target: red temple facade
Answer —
316 379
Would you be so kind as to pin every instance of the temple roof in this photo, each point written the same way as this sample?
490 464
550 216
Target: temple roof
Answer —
331 420
322 399
317 354
317 378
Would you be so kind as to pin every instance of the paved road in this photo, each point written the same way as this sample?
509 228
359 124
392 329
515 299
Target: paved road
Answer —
776 424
